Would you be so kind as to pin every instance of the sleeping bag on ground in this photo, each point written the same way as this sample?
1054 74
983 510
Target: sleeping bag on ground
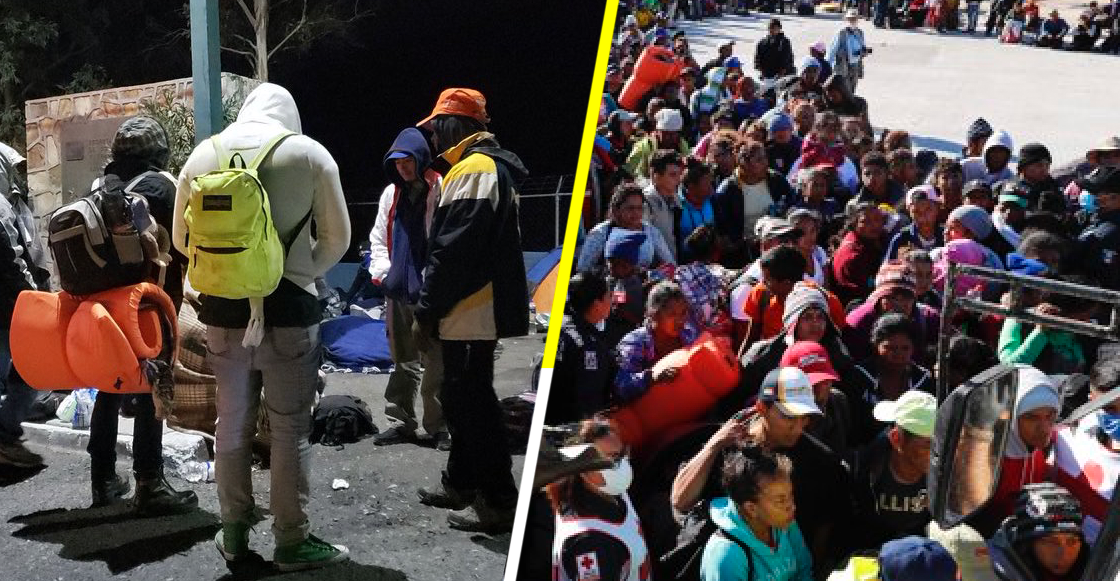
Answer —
708 371
101 342
355 342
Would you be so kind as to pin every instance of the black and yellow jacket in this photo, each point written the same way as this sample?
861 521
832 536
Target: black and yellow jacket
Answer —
474 282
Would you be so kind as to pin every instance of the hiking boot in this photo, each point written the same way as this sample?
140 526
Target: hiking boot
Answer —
394 435
312 553
446 496
108 491
233 541
17 454
481 517
443 441
155 496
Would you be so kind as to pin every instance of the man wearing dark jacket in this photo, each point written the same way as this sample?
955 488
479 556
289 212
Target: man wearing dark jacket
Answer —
1035 178
139 157
773 55
19 271
1097 250
398 254
474 293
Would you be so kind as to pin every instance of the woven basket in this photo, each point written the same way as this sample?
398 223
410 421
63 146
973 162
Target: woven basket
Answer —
196 402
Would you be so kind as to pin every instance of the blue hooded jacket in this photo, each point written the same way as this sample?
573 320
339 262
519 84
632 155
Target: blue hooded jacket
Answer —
723 560
409 234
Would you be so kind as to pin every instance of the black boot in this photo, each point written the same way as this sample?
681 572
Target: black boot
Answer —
109 490
446 496
154 495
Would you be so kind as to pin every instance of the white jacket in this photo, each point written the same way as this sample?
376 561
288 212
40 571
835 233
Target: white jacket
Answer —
298 176
380 237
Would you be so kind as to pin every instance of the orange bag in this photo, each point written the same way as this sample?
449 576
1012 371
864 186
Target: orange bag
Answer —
656 65
708 371
99 342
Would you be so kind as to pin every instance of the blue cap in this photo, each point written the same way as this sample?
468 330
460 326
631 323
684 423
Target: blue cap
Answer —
916 557
398 155
624 245
733 62
779 122
1020 264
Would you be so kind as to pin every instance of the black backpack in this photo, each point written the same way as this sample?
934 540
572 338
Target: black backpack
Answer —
341 419
98 242
684 560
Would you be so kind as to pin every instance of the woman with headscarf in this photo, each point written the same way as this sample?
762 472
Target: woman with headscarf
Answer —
1037 404
139 157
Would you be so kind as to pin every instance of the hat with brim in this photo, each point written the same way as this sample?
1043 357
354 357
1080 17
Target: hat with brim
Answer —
812 358
398 155
1103 180
1109 144
914 411
790 390
459 101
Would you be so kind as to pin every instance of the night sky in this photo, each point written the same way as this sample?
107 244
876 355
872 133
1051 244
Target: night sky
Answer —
532 59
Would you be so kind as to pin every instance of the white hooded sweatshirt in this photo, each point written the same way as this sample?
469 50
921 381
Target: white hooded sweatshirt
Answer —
298 175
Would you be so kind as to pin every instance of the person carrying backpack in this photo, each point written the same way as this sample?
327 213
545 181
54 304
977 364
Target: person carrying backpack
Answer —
138 157
298 182
474 293
757 537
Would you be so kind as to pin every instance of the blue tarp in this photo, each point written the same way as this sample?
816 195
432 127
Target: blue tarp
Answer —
356 342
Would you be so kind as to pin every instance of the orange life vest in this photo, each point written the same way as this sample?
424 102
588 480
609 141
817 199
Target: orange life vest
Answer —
62 342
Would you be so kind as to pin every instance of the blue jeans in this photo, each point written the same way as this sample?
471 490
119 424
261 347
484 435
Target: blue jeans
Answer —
17 404
973 15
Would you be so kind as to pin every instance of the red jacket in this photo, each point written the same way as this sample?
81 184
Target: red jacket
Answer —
854 266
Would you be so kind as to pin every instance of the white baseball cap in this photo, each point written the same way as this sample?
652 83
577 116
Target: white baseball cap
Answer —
789 389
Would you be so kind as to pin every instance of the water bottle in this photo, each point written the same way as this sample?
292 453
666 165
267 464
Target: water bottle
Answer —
197 471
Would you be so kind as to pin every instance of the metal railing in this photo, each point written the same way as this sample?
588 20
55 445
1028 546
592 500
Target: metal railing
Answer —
1017 310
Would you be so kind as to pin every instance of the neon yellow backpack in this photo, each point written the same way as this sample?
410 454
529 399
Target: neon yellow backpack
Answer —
233 249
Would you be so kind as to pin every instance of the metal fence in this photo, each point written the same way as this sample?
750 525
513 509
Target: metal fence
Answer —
543 214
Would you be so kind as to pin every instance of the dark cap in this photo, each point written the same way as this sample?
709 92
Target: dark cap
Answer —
1033 153
775 22
1103 180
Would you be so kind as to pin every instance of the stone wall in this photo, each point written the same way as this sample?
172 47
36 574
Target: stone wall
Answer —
46 117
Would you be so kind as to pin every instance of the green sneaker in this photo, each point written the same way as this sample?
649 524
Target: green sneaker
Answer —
312 553
233 541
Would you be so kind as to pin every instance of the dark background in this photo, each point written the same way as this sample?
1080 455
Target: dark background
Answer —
532 59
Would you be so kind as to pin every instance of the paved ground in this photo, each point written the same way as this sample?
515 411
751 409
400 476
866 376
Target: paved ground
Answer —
47 533
936 85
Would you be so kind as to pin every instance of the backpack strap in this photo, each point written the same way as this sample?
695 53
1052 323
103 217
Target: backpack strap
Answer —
267 149
742 545
299 228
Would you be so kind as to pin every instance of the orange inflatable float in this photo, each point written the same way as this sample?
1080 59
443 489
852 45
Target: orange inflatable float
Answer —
708 371
656 65
61 342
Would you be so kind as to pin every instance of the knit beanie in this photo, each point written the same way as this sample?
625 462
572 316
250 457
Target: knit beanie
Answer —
800 298
979 128
1033 153
974 218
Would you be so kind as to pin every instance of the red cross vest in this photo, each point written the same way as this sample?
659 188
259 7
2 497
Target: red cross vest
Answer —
628 532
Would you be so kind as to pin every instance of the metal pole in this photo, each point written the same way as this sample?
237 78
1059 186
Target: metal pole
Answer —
947 312
206 69
556 216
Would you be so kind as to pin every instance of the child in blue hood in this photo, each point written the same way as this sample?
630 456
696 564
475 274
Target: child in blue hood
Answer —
757 514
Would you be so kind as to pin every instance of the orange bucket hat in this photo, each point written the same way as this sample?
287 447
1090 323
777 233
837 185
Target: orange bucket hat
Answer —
457 101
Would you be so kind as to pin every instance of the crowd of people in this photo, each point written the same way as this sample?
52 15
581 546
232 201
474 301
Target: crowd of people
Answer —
1096 29
752 205
451 193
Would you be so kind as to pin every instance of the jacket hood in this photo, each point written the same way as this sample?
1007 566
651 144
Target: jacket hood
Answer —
271 105
411 142
726 516
1000 138
1036 390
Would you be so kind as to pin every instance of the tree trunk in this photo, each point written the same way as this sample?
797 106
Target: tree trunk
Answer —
261 9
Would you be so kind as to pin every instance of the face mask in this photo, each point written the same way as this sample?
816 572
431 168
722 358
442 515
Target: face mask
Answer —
1110 424
616 480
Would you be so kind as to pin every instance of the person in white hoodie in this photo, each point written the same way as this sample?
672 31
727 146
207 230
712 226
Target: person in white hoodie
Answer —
994 165
301 179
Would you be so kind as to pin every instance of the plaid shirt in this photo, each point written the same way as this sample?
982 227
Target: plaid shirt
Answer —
703 291
636 356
